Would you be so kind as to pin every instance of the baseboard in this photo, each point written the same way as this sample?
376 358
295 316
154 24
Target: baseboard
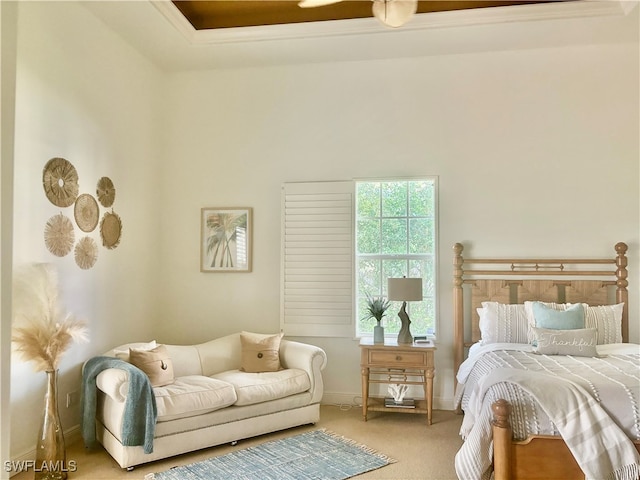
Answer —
71 435
346 400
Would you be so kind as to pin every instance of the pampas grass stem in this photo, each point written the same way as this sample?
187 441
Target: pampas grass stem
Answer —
41 332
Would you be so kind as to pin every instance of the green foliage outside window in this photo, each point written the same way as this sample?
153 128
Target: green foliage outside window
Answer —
395 237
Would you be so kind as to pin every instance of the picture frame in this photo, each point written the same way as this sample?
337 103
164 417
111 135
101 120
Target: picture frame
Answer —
226 239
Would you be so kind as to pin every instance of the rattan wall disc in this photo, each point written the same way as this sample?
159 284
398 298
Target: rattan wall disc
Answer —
86 212
86 253
110 230
106 192
58 235
60 182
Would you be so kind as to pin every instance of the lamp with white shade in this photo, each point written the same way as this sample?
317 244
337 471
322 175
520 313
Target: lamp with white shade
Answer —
404 290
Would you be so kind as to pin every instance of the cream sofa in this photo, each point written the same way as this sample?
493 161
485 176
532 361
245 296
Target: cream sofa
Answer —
211 401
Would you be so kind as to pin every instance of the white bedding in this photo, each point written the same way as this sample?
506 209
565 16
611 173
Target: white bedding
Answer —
612 380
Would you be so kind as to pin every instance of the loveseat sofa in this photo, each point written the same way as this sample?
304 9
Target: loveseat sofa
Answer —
212 398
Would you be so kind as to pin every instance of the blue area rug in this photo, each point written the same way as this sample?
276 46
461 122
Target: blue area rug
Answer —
317 455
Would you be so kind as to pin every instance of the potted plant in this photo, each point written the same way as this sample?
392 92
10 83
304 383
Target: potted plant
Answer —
377 308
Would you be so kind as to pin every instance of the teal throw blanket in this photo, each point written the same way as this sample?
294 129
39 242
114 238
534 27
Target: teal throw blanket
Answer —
140 410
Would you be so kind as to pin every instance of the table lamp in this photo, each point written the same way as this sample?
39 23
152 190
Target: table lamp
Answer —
404 290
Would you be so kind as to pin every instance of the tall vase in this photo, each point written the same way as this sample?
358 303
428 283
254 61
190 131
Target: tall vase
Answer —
50 451
378 334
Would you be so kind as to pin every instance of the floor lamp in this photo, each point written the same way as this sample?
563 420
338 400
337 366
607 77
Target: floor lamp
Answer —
404 290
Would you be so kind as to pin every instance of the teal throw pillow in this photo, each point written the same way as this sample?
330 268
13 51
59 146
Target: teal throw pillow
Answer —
569 319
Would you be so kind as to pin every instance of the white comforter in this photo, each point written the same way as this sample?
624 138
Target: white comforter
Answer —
610 381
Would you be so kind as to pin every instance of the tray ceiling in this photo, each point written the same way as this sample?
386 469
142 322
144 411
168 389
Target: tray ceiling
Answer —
220 14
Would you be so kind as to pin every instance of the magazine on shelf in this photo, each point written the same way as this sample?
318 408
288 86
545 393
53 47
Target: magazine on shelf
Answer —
405 403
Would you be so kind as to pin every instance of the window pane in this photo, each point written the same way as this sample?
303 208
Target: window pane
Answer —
369 278
394 268
394 236
368 203
394 199
421 196
368 236
421 236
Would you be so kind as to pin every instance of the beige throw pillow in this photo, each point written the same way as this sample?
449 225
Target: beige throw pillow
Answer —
577 342
156 363
260 353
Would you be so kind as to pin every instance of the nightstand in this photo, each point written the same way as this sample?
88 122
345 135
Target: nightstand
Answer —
393 363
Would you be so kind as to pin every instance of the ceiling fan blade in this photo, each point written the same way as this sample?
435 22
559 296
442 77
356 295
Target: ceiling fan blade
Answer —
316 3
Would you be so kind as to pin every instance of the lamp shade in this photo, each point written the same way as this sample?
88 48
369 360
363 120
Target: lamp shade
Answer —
404 289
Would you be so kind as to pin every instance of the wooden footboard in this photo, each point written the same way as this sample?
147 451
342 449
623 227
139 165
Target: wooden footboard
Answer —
537 457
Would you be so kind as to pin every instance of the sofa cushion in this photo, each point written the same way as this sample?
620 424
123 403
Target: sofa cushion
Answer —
261 387
156 363
192 395
123 352
260 353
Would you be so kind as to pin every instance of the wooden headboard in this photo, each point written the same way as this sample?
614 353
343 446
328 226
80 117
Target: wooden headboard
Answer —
516 280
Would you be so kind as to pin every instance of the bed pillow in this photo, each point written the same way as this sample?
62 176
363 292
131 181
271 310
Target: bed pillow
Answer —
156 363
260 353
576 342
503 323
607 319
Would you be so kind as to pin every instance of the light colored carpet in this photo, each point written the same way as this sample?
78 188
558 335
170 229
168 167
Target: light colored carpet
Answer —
421 452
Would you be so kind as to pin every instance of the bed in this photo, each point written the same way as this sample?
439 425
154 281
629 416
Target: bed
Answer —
545 374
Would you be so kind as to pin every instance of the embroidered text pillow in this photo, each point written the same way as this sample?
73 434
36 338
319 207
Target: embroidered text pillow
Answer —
577 342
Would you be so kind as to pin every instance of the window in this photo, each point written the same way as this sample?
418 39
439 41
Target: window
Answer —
395 230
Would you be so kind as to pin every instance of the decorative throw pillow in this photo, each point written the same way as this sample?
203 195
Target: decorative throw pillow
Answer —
260 353
156 363
569 319
607 319
577 342
123 354
503 323
550 315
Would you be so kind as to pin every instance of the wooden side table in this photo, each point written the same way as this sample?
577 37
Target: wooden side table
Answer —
391 363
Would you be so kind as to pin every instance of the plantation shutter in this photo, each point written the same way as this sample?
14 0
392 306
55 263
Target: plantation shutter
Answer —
317 259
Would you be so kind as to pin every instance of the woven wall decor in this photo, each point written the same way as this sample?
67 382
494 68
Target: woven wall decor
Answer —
59 235
86 212
106 192
86 253
60 182
110 230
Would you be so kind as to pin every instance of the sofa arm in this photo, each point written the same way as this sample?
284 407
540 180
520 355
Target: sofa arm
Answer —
305 357
114 382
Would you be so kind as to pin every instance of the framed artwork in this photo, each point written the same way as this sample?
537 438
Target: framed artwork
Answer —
225 239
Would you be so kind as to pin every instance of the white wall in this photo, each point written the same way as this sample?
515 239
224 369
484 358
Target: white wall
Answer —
85 95
8 40
536 153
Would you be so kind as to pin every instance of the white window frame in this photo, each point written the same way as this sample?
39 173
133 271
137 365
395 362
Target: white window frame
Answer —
357 313
318 257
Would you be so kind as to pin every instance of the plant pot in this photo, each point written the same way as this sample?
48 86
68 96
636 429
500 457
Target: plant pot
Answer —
50 449
378 334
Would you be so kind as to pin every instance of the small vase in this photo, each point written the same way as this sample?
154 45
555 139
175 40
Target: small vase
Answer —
50 450
378 334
